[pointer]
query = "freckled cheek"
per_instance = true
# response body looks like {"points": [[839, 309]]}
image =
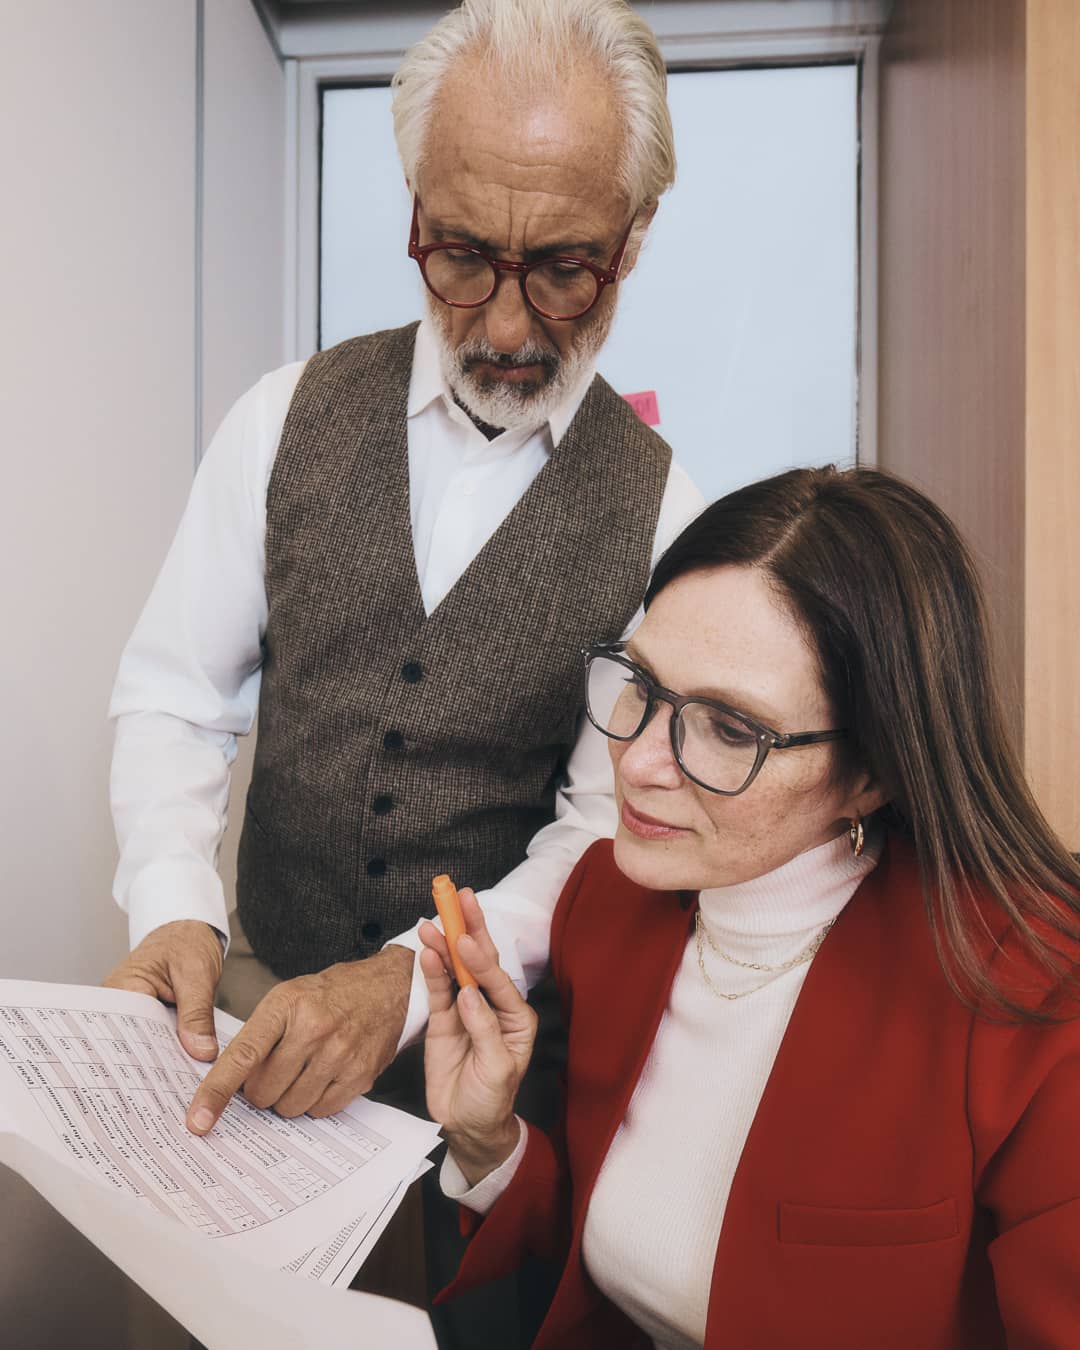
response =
{"points": [[724, 820], [754, 815], [770, 816]]}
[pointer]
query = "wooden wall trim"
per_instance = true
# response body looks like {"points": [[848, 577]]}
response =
{"points": [[1052, 433], [951, 293]]}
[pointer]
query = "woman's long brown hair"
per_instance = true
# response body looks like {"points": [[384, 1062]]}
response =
{"points": [[890, 597]]}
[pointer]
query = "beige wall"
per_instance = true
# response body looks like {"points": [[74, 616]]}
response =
{"points": [[1052, 483], [97, 380], [980, 329]]}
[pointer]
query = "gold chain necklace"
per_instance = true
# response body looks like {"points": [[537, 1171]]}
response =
{"points": [[701, 932]]}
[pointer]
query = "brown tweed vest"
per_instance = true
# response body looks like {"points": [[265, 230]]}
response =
{"points": [[394, 745]]}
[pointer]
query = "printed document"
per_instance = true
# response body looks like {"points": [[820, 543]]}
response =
{"points": [[96, 1078]]}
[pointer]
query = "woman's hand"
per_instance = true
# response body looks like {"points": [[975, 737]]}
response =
{"points": [[476, 1050]]}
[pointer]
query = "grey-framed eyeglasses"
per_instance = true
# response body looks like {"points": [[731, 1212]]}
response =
{"points": [[715, 745]]}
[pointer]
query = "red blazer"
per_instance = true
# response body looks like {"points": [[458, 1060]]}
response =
{"points": [[911, 1180]]}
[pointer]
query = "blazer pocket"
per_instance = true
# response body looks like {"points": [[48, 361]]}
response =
{"points": [[820, 1226]]}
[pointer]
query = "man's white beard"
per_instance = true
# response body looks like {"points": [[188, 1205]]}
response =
{"points": [[514, 406]]}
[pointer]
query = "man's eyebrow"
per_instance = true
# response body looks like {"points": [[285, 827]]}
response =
{"points": [[577, 248], [451, 234]]}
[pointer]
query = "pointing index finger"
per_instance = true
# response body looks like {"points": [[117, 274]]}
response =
{"points": [[241, 1057]]}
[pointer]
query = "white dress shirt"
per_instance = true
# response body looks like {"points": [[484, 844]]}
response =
{"points": [[189, 677]]}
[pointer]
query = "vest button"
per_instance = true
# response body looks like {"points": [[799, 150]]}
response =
{"points": [[371, 931], [412, 672], [381, 805], [393, 740], [376, 867]]}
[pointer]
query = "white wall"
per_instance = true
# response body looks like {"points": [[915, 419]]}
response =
{"points": [[243, 263], [97, 399], [244, 207], [97, 416]]}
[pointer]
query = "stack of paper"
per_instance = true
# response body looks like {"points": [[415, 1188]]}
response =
{"points": [[96, 1079]]}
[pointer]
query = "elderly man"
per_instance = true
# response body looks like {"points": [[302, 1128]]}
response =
{"points": [[395, 552]]}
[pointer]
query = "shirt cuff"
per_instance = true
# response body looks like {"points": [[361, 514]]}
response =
{"points": [[481, 1197], [417, 1014], [166, 891]]}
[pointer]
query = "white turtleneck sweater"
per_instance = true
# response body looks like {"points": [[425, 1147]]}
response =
{"points": [[655, 1215]]}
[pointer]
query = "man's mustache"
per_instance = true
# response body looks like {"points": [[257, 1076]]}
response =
{"points": [[479, 352]]}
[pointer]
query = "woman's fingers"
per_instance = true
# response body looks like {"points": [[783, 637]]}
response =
{"points": [[493, 980], [479, 1043], [485, 1034], [433, 938], [434, 967], [475, 924], [477, 952], [479, 955]]}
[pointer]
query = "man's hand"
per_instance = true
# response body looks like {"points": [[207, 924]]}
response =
{"points": [[178, 963], [313, 1043]]}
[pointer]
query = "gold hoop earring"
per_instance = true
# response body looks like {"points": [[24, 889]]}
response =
{"points": [[857, 835]]}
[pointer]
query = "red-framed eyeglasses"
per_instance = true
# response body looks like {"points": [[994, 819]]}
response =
{"points": [[556, 287]]}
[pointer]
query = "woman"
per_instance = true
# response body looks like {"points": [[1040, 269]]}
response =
{"points": [[823, 1080]]}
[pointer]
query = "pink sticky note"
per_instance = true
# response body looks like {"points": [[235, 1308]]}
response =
{"points": [[646, 407]]}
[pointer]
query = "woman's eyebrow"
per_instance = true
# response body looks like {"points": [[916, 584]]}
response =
{"points": [[736, 702], [635, 655]]}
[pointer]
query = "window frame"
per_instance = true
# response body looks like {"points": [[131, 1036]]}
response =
{"points": [[365, 47]]}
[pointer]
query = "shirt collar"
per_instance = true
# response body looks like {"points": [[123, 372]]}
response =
{"points": [[427, 384]]}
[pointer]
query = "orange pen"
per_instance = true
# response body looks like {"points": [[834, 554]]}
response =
{"points": [[444, 893]]}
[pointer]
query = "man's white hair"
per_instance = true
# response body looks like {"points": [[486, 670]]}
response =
{"points": [[533, 41]]}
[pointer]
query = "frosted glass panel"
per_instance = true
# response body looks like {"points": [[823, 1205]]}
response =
{"points": [[367, 280], [741, 314]]}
